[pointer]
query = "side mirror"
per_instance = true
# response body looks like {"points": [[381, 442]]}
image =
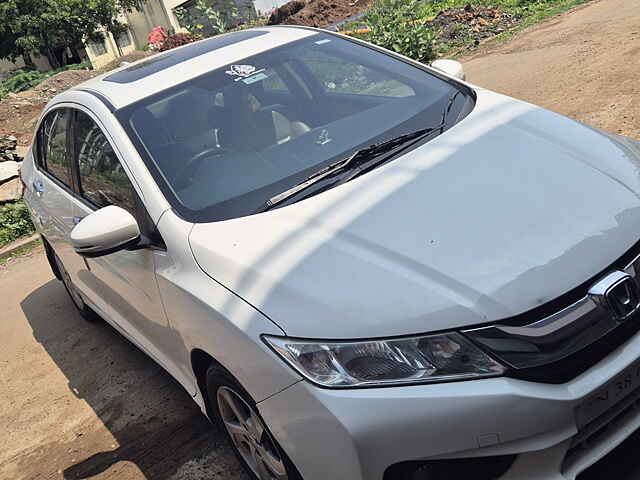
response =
{"points": [[105, 231], [450, 67]]}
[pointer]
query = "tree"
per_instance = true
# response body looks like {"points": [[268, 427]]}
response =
{"points": [[46, 26]]}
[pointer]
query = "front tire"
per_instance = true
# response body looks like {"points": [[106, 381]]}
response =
{"points": [[237, 414]]}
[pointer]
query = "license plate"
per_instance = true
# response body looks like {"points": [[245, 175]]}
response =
{"points": [[609, 395]]}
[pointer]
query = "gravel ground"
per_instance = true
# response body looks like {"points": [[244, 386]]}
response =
{"points": [[79, 401]]}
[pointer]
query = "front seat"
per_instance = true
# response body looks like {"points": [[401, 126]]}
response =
{"points": [[258, 128], [168, 155], [188, 119]]}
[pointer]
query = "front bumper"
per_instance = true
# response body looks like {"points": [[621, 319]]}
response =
{"points": [[357, 434]]}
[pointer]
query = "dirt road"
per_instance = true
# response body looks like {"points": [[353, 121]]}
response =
{"points": [[79, 401], [584, 64]]}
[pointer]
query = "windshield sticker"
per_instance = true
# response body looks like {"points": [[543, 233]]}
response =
{"points": [[255, 78], [324, 137], [242, 71], [246, 73], [320, 42]]}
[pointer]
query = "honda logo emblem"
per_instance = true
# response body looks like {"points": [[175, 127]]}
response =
{"points": [[618, 293]]}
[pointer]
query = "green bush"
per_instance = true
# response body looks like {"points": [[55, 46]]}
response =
{"points": [[24, 80], [395, 25], [15, 222]]}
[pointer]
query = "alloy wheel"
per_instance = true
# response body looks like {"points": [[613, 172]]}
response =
{"points": [[250, 436]]}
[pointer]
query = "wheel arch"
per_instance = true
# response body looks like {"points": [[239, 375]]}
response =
{"points": [[200, 363], [48, 250]]}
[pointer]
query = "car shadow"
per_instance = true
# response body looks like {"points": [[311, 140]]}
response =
{"points": [[153, 422]]}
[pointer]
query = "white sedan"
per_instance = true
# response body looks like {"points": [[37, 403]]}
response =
{"points": [[362, 267]]}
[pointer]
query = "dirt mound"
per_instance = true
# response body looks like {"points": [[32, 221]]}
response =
{"points": [[280, 14], [459, 25], [129, 57], [19, 111], [63, 81], [320, 13]]}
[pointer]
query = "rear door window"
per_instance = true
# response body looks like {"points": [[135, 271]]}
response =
{"points": [[54, 155], [103, 180]]}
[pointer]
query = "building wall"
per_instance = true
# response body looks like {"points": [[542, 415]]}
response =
{"points": [[152, 14], [169, 6], [99, 57], [264, 5]]}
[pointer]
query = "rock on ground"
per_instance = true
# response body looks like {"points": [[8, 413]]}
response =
{"points": [[9, 170], [8, 145], [11, 191]]}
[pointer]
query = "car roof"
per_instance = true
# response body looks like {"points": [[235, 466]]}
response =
{"points": [[148, 76]]}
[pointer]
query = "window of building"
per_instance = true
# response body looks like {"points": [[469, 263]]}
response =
{"points": [[124, 40], [98, 48]]}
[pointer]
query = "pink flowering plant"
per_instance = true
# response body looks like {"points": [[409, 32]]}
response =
{"points": [[156, 38]]}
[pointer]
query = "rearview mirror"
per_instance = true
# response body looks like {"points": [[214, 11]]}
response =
{"points": [[450, 67], [105, 231]]}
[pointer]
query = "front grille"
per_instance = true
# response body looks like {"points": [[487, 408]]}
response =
{"points": [[560, 340], [570, 367]]}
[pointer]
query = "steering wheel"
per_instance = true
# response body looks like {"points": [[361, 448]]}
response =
{"points": [[194, 162]]}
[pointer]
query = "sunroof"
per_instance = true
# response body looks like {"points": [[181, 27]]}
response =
{"points": [[171, 58]]}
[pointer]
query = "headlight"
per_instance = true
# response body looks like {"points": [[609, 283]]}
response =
{"points": [[424, 359]]}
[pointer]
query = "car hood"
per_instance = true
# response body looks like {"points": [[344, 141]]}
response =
{"points": [[507, 210]]}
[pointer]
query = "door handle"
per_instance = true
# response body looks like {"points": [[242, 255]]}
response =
{"points": [[38, 186]]}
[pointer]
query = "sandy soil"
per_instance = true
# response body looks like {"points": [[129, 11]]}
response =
{"points": [[79, 401]]}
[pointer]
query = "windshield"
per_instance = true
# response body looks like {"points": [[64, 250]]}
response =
{"points": [[222, 144]]}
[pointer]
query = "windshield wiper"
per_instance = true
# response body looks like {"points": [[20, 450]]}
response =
{"points": [[358, 162], [351, 162], [447, 109]]}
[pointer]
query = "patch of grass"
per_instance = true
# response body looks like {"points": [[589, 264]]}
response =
{"points": [[552, 8], [534, 10], [15, 222], [535, 14], [29, 247], [525, 13]]}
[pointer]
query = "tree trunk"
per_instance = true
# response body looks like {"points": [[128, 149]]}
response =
{"points": [[53, 60], [28, 61], [65, 57]]}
